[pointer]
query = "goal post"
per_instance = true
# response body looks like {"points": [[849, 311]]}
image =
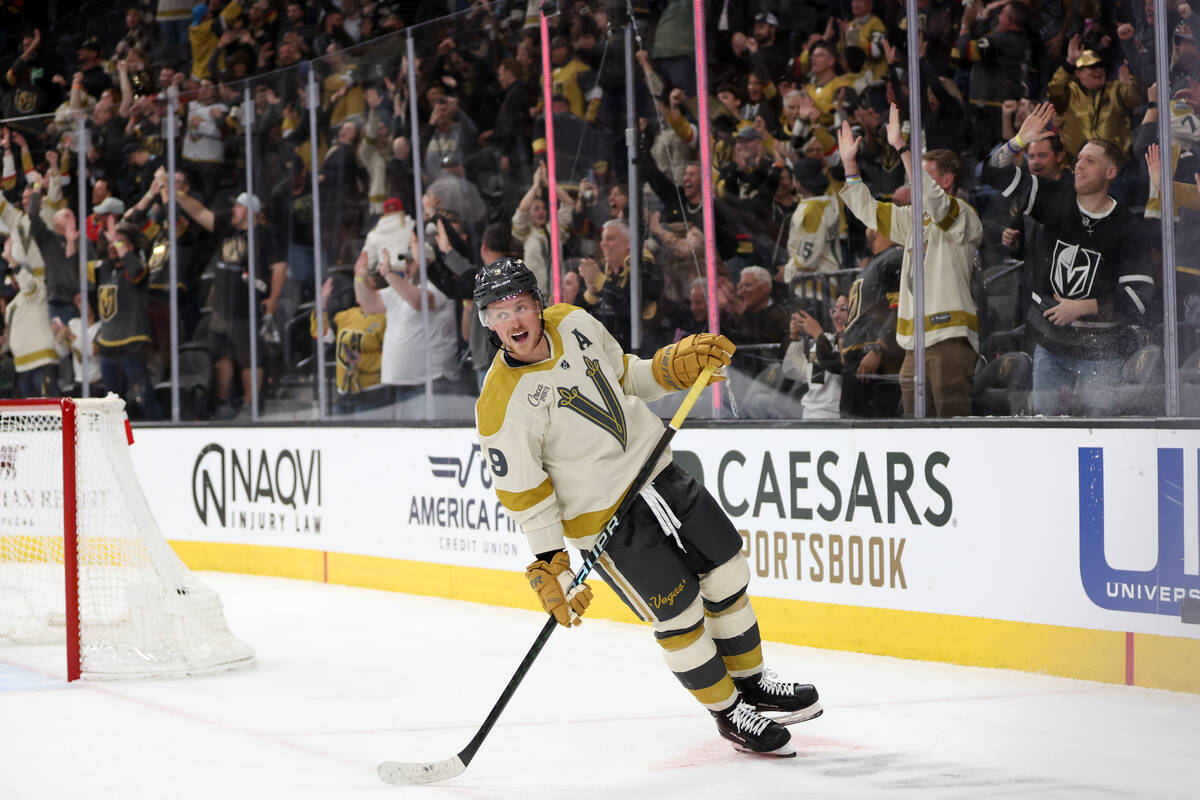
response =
{"points": [[82, 559]]}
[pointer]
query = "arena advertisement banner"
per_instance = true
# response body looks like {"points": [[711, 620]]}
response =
{"points": [[1091, 528]]}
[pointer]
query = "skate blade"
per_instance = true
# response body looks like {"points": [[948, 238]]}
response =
{"points": [[786, 751], [792, 717]]}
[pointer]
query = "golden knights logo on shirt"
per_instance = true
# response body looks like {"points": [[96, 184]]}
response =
{"points": [[233, 250], [107, 297], [1073, 269], [609, 416]]}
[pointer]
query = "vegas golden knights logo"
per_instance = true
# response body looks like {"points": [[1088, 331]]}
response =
{"points": [[108, 302], [233, 250], [609, 416], [25, 101], [349, 350]]}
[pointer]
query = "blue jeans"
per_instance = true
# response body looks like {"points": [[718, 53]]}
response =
{"points": [[301, 262], [64, 311], [1063, 385], [36, 382], [175, 31], [127, 375]]}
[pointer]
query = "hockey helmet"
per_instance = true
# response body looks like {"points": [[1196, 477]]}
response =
{"points": [[502, 279]]}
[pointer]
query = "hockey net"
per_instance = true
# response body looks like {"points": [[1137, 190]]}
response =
{"points": [[82, 558]]}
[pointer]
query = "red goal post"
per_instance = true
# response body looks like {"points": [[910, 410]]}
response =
{"points": [[82, 558]]}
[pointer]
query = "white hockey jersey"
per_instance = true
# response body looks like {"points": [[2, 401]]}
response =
{"points": [[566, 436], [813, 237]]}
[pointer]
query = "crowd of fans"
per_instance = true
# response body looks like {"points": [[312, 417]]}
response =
{"points": [[1042, 273]]}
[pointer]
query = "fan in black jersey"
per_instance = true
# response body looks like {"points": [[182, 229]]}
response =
{"points": [[1093, 285]]}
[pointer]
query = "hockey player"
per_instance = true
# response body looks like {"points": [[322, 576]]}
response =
{"points": [[563, 422]]}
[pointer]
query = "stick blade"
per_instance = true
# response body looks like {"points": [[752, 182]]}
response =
{"points": [[404, 774]]}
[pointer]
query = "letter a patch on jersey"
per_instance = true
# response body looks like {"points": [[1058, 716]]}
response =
{"points": [[609, 416], [1073, 270], [583, 341]]}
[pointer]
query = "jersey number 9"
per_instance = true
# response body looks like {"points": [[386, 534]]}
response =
{"points": [[498, 462]]}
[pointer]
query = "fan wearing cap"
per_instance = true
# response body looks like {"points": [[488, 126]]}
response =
{"points": [[1090, 106], [89, 62], [123, 300], [741, 179], [762, 51], [229, 327]]}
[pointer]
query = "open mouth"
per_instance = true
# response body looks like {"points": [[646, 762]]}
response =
{"points": [[520, 338]]}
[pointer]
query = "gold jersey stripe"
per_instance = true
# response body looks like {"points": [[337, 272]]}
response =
{"points": [[520, 501], [36, 355], [139, 338], [904, 327], [589, 524], [947, 222]]}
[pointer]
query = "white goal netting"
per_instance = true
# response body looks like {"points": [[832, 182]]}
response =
{"points": [[141, 611]]}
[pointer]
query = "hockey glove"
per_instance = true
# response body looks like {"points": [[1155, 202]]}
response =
{"points": [[677, 366], [552, 582]]}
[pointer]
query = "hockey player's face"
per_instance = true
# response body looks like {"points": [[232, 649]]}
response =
{"points": [[517, 322]]}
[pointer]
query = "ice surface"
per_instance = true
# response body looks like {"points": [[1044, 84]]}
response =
{"points": [[347, 678]]}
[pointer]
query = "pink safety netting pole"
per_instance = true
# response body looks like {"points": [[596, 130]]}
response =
{"points": [[551, 160], [710, 225]]}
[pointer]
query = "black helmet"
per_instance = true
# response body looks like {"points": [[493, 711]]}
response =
{"points": [[503, 278]]}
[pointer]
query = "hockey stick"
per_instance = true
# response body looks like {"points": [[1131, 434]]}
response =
{"points": [[401, 772]]}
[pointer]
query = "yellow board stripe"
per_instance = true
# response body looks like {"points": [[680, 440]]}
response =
{"points": [[1160, 662]]}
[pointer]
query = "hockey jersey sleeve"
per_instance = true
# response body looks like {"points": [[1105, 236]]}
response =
{"points": [[892, 222], [1030, 194], [513, 449]]}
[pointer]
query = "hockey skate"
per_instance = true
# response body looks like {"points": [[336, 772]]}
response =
{"points": [[796, 701], [751, 732]]}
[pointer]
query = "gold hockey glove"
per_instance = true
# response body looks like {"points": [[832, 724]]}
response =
{"points": [[552, 582], [677, 366]]}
